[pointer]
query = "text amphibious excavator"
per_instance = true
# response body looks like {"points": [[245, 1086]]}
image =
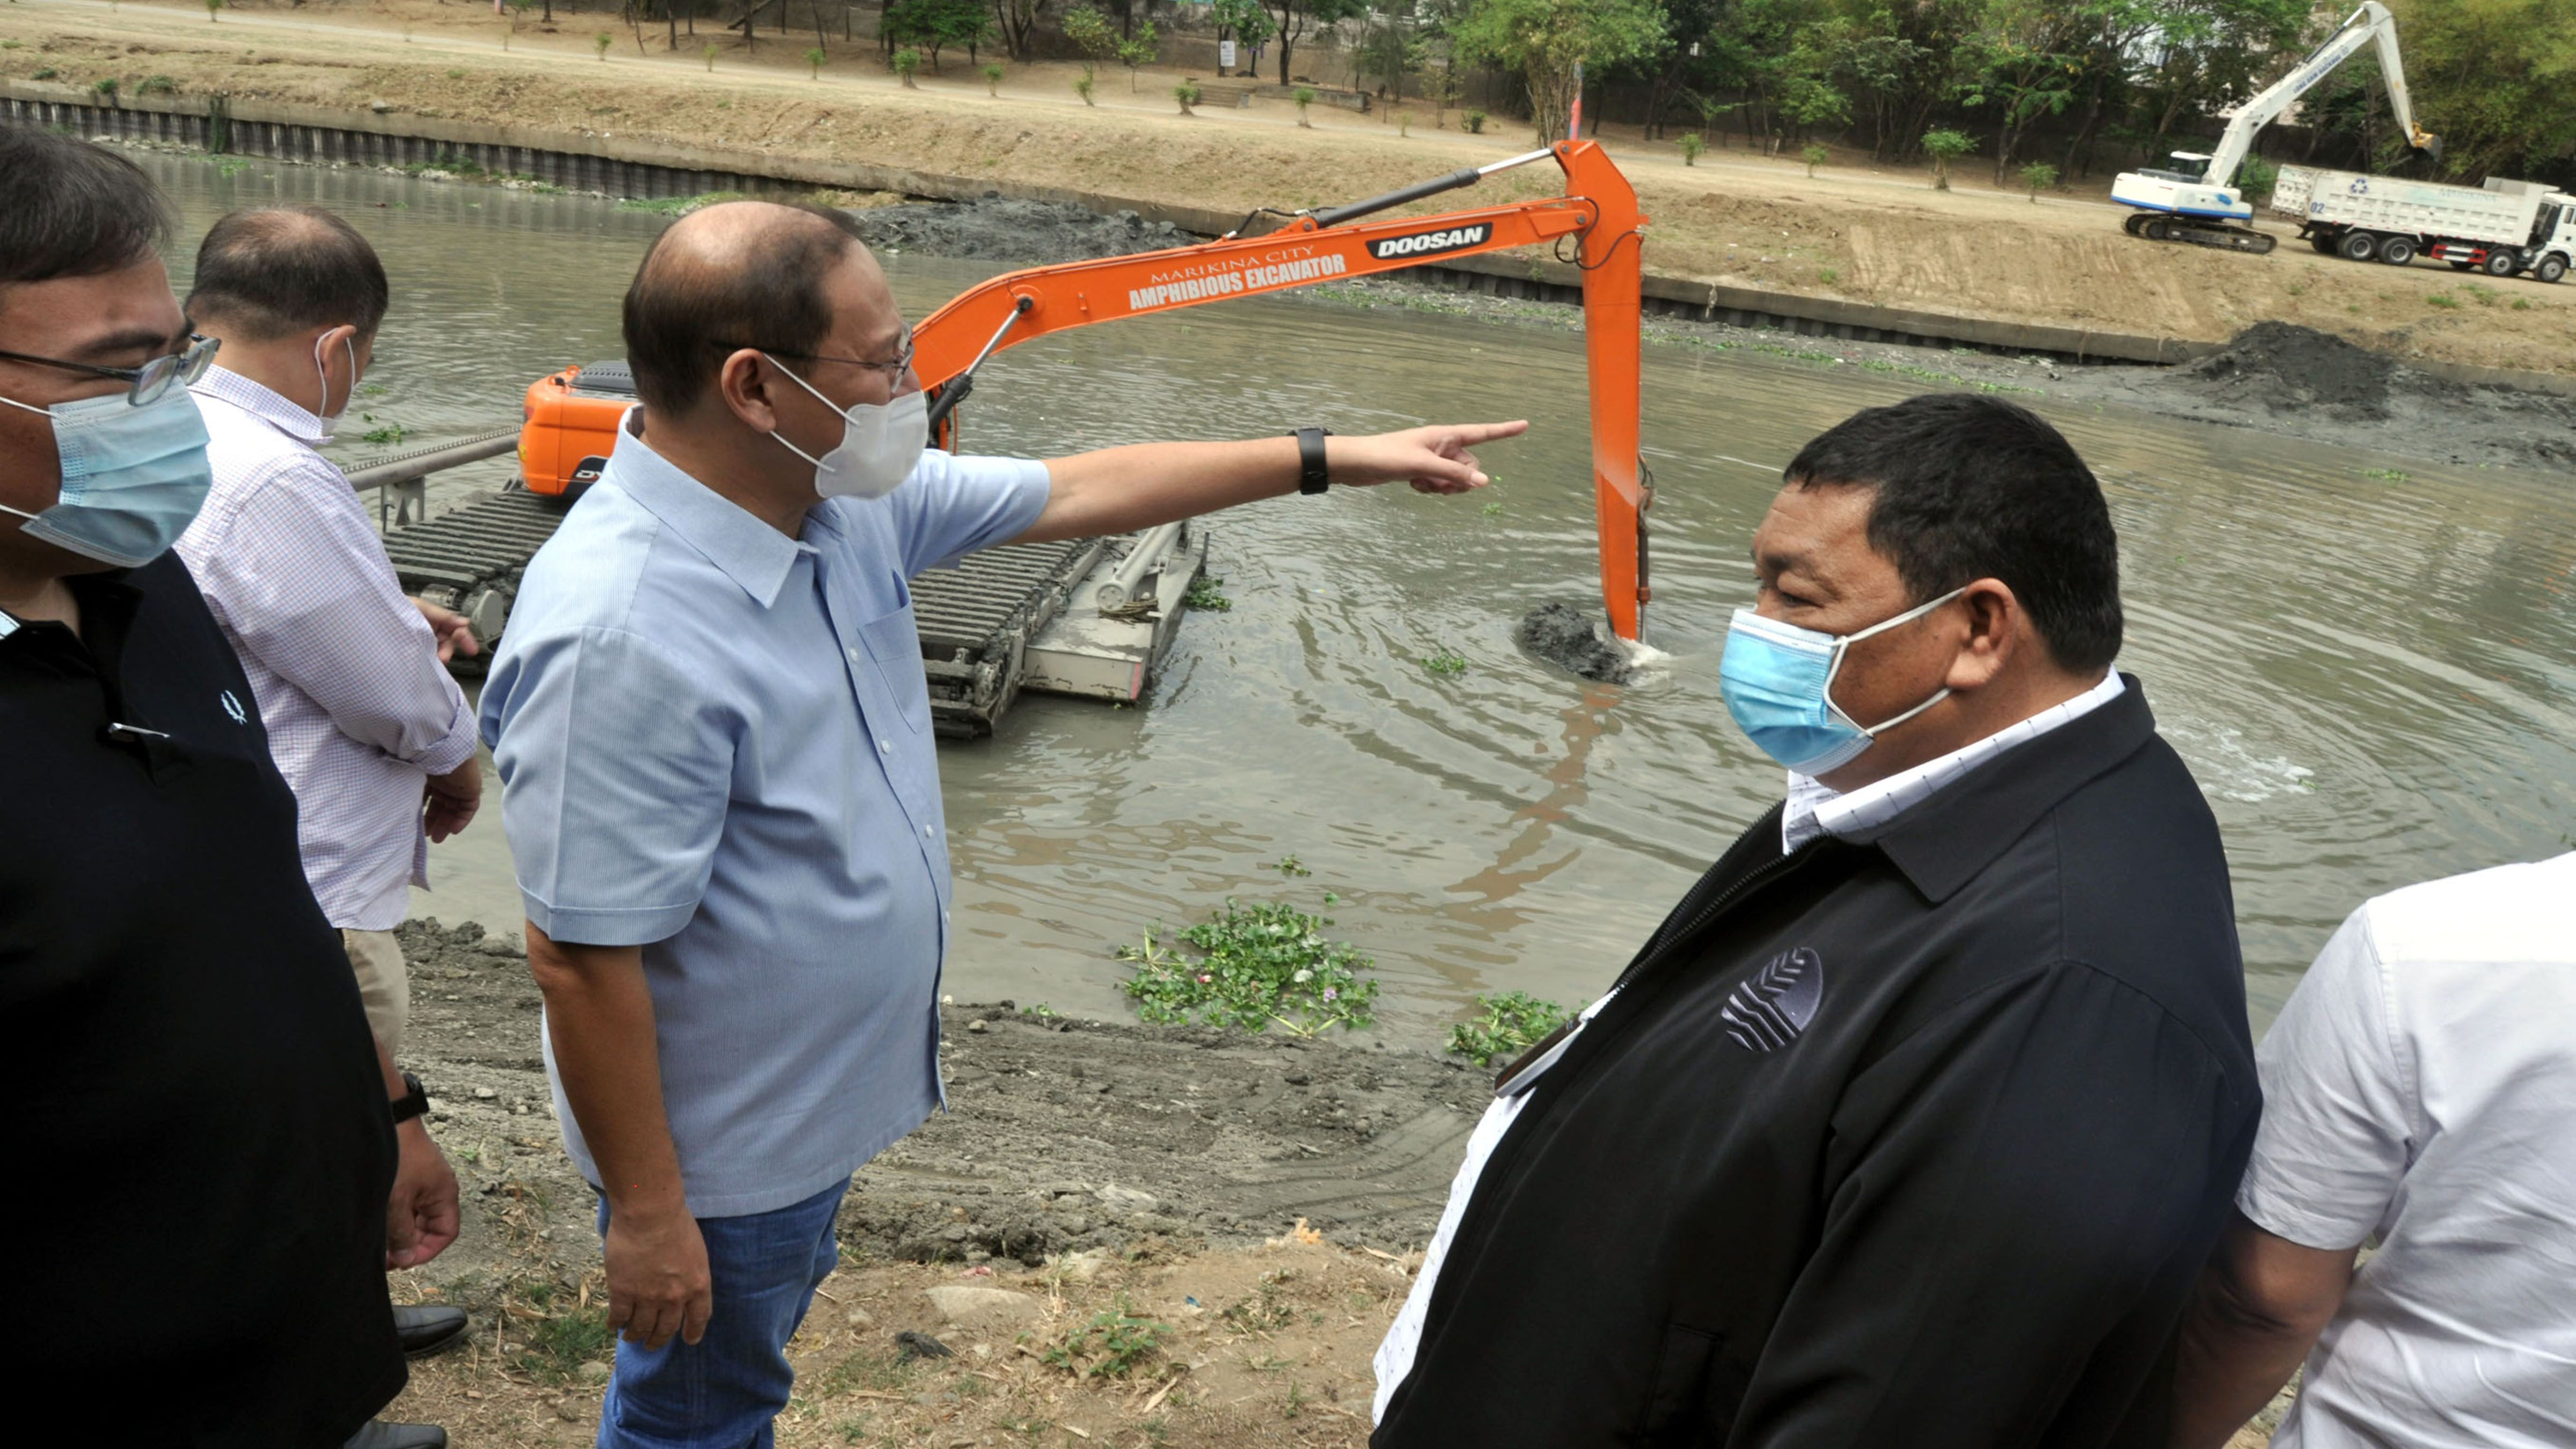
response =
{"points": [[2199, 202], [572, 416]]}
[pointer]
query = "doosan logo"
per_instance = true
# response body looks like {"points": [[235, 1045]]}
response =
{"points": [[1430, 243]]}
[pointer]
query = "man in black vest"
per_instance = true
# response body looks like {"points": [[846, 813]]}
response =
{"points": [[1914, 1121], [207, 1181]]}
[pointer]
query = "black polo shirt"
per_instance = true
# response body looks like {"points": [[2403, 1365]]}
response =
{"points": [[195, 1129], [1915, 1138]]}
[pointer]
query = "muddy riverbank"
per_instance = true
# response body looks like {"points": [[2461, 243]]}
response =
{"points": [[1255, 1203], [1062, 1134]]}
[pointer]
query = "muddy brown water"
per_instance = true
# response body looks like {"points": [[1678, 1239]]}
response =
{"points": [[2365, 659]]}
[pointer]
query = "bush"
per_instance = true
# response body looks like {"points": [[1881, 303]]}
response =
{"points": [[158, 85], [906, 61], [1815, 156], [601, 42], [2038, 176], [1513, 1022], [814, 58], [44, 72], [1692, 147], [993, 79], [1083, 84], [1188, 95], [1304, 96], [1942, 146], [1259, 965], [710, 53], [1474, 122], [105, 87], [2256, 178]]}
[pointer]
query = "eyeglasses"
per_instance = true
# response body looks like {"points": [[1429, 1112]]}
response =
{"points": [[146, 383], [893, 370]]}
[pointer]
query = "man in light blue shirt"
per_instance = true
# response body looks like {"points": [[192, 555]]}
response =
{"points": [[713, 733]]}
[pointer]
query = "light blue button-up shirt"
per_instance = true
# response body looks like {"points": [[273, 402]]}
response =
{"points": [[715, 743]]}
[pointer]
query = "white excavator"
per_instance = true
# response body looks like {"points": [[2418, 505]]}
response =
{"points": [[2198, 201]]}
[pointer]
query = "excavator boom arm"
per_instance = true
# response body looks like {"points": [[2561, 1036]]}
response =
{"points": [[1598, 210], [2370, 23]]}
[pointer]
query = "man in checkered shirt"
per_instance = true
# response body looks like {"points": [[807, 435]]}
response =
{"points": [[364, 722], [374, 737]]}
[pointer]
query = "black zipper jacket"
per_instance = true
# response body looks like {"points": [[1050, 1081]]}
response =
{"points": [[1914, 1138]]}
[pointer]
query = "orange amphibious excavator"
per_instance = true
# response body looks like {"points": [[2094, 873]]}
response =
{"points": [[572, 415]]}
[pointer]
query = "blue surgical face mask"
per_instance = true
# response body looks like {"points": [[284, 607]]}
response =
{"points": [[1779, 685], [133, 476]]}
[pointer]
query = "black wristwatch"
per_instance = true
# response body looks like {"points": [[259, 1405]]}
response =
{"points": [[1310, 459], [414, 1103]]}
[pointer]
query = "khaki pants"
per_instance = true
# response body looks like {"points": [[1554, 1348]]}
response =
{"points": [[384, 984]]}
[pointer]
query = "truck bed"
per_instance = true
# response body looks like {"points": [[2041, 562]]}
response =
{"points": [[2501, 216]]}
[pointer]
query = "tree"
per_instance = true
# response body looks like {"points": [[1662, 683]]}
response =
{"points": [[906, 61], [1941, 145], [2023, 69], [1244, 22], [933, 25], [1091, 33], [1019, 24], [1297, 17], [1139, 51], [1546, 39]]}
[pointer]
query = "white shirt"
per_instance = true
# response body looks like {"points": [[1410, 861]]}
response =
{"points": [[2420, 1089], [358, 708], [1812, 809]]}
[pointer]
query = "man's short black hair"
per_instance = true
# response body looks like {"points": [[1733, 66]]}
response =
{"points": [[1970, 487], [682, 314], [71, 209], [273, 271]]}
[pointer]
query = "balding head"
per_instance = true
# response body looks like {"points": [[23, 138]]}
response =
{"points": [[280, 271], [744, 274]]}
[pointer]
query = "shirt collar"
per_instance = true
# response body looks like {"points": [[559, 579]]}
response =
{"points": [[297, 422], [751, 553], [1943, 843], [1815, 808]]}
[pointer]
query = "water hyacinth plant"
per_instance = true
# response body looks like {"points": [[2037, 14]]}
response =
{"points": [[1255, 966]]}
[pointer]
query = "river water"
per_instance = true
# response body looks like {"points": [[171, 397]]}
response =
{"points": [[2366, 662]]}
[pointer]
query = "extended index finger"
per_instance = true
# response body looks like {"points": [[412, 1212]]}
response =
{"points": [[1470, 434]]}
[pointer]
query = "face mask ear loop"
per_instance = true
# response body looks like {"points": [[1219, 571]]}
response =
{"points": [[780, 439], [27, 407], [1843, 645]]}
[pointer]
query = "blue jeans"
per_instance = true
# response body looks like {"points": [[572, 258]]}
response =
{"points": [[723, 1391]]}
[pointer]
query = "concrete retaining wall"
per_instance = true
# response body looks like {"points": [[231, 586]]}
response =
{"points": [[623, 167]]}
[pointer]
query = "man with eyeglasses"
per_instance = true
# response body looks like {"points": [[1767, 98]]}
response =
{"points": [[199, 1217], [714, 737]]}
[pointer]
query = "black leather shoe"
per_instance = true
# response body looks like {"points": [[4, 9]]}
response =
{"points": [[426, 1328], [380, 1435]]}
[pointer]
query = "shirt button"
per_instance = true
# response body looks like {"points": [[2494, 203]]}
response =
{"points": [[884, 748]]}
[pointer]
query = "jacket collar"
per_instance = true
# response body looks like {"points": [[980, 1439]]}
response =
{"points": [[1943, 843], [751, 553]]}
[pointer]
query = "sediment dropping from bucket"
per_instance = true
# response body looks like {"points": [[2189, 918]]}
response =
{"points": [[1571, 639]]}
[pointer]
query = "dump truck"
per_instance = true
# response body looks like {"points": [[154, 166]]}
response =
{"points": [[2502, 228]]}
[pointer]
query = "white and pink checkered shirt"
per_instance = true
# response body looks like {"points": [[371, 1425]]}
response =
{"points": [[359, 710]]}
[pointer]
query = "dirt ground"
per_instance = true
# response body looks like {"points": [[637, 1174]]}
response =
{"points": [[1876, 234], [1122, 1235], [1088, 1167]]}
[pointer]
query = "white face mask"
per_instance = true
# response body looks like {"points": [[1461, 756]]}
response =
{"points": [[327, 423], [881, 444]]}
